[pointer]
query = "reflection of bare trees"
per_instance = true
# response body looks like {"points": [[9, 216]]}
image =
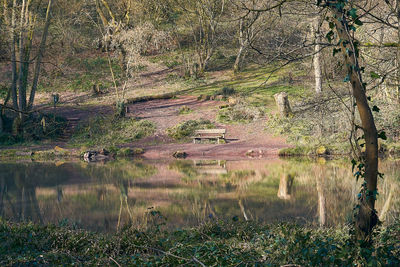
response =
{"points": [[243, 209], [386, 206], [27, 205], [124, 191], [319, 176], [23, 202], [285, 186]]}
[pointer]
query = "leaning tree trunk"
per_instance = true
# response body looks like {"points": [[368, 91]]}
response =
{"points": [[238, 61], [39, 56], [367, 217], [317, 56], [23, 69]]}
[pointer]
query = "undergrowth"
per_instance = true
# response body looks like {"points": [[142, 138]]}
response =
{"points": [[35, 128], [241, 112], [185, 130], [216, 243], [112, 131]]}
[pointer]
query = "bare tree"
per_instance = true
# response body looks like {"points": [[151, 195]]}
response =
{"points": [[204, 18], [316, 26], [22, 34]]}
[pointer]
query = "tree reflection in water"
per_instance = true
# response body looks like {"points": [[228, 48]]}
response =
{"points": [[105, 196]]}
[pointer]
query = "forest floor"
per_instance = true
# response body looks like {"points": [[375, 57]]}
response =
{"points": [[251, 139], [243, 140]]}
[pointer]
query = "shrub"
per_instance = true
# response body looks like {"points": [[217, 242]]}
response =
{"points": [[241, 112], [112, 131], [35, 128], [226, 91], [186, 129], [185, 110]]}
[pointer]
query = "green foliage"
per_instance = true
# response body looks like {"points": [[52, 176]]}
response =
{"points": [[186, 167], [241, 112], [295, 151], [186, 129], [129, 152], [35, 128], [226, 91], [214, 243], [3, 91], [316, 121], [84, 72], [112, 131], [185, 110]]}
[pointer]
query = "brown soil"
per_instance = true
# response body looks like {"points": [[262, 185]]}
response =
{"points": [[250, 140], [243, 140]]}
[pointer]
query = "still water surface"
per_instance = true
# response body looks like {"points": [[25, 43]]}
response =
{"points": [[106, 196]]}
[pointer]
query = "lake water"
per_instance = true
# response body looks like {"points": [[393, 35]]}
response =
{"points": [[107, 196]]}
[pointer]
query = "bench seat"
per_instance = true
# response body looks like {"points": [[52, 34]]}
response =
{"points": [[210, 134]]}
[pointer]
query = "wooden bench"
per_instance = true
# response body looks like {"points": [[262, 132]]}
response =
{"points": [[210, 134]]}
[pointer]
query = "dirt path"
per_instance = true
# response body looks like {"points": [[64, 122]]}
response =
{"points": [[250, 140], [241, 138]]}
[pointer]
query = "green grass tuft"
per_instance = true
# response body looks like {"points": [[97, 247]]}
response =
{"points": [[111, 131]]}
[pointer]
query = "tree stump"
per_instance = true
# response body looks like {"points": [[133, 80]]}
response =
{"points": [[282, 101]]}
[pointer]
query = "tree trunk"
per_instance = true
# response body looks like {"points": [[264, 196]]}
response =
{"points": [[238, 61], [1, 121], [367, 216], [317, 55], [14, 75], [39, 56], [282, 102], [236, 66], [398, 50], [23, 72]]}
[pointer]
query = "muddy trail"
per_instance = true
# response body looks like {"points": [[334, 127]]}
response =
{"points": [[243, 140]]}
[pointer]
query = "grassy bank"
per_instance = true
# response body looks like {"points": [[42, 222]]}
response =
{"points": [[216, 243]]}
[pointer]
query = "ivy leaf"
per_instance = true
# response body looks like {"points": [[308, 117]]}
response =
{"points": [[382, 135], [358, 22], [376, 109], [369, 98], [374, 75], [347, 78], [331, 25], [354, 163], [330, 35], [336, 50], [353, 13]]}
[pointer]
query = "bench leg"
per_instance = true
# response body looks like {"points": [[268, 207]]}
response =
{"points": [[218, 140]]}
